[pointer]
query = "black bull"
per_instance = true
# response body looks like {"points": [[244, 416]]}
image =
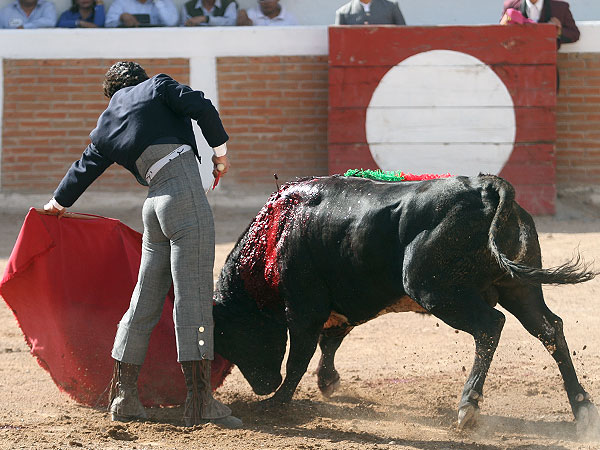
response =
{"points": [[326, 254]]}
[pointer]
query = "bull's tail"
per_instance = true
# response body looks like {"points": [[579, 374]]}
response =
{"points": [[571, 272]]}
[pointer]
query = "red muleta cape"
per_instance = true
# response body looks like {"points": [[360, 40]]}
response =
{"points": [[68, 282]]}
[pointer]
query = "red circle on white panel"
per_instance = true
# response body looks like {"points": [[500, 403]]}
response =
{"points": [[441, 111]]}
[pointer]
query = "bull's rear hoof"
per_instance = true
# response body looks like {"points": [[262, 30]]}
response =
{"points": [[327, 389], [588, 422], [468, 415]]}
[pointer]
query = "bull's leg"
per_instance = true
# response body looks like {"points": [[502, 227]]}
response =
{"points": [[468, 311], [328, 379], [303, 343], [528, 306]]}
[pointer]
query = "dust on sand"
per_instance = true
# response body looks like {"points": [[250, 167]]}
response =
{"points": [[401, 376]]}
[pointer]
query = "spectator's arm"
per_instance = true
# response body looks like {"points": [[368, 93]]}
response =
{"points": [[167, 12], [113, 16], [570, 32], [228, 18], [507, 4], [66, 20], [184, 15], [47, 19], [196, 21], [81, 174], [398, 17], [243, 19], [99, 16], [186, 102], [339, 18]]}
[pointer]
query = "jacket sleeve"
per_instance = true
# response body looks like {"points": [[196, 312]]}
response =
{"points": [[509, 4], [67, 20], [398, 17], [99, 16], [80, 175], [184, 15], [113, 16], [186, 102], [570, 32], [167, 11]]}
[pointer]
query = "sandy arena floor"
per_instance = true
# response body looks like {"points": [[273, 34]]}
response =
{"points": [[401, 375]]}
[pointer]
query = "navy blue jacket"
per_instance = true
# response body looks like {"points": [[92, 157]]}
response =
{"points": [[156, 110]]}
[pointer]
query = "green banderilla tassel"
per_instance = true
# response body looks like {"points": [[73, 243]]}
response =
{"points": [[375, 174]]}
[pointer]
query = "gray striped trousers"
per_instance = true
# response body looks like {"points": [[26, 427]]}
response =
{"points": [[178, 247]]}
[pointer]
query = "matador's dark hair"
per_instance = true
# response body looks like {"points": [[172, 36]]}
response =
{"points": [[123, 74]]}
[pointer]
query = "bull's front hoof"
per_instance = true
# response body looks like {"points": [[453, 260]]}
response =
{"points": [[328, 387], [273, 402], [587, 422], [468, 415]]}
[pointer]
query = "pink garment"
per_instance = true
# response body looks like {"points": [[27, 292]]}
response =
{"points": [[515, 16]]}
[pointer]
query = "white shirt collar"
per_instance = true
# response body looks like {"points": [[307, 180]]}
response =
{"points": [[534, 11], [216, 5], [18, 5], [366, 6]]}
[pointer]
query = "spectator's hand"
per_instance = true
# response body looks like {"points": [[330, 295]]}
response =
{"points": [[129, 20], [556, 22], [195, 21], [505, 20], [220, 160], [242, 18], [86, 24]]}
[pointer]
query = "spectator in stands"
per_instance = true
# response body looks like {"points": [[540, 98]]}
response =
{"points": [[546, 11], [217, 13], [83, 14], [268, 13], [28, 14], [142, 13], [369, 12]]}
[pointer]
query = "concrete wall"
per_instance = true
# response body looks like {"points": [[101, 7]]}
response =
{"points": [[416, 12]]}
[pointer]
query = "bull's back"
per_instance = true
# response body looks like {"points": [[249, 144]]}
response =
{"points": [[350, 237], [344, 240]]}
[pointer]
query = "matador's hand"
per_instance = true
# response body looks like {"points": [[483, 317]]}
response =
{"points": [[52, 207]]}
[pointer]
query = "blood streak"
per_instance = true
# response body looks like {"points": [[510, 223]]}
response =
{"points": [[259, 257]]}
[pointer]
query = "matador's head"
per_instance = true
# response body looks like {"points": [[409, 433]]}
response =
{"points": [[123, 74]]}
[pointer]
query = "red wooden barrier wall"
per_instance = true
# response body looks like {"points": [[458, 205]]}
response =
{"points": [[522, 57]]}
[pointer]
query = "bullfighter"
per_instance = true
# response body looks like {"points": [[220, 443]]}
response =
{"points": [[147, 129]]}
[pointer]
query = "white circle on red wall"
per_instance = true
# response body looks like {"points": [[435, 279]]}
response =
{"points": [[441, 111]]}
